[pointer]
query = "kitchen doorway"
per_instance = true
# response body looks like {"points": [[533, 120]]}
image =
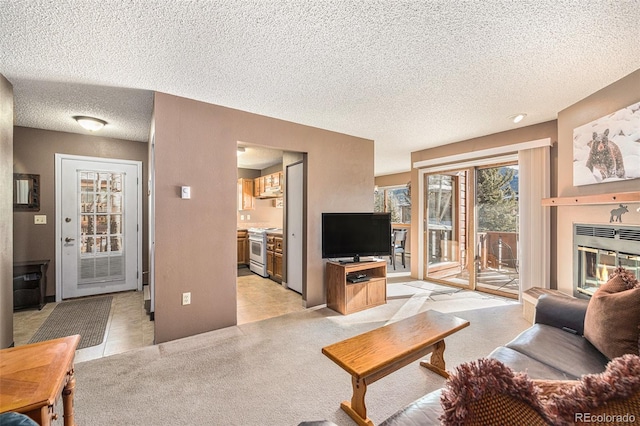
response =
{"points": [[264, 214]]}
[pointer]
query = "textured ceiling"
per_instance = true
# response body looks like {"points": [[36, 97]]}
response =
{"points": [[407, 74], [259, 158]]}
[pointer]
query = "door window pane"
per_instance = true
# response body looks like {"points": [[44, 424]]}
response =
{"points": [[446, 232], [101, 226], [497, 229]]}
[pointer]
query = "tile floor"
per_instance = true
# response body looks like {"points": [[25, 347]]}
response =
{"points": [[260, 298], [129, 326]]}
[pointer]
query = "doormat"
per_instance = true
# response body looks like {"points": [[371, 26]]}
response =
{"points": [[86, 317]]}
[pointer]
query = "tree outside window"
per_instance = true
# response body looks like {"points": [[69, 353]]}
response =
{"points": [[395, 200], [497, 189]]}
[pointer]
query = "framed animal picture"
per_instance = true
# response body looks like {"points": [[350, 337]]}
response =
{"points": [[608, 149]]}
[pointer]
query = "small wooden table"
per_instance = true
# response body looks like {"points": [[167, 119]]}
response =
{"points": [[33, 376], [371, 356], [29, 283]]}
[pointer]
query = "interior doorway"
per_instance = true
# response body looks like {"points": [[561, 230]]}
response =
{"points": [[270, 224]]}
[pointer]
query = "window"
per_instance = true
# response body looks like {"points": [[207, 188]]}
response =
{"points": [[396, 200]]}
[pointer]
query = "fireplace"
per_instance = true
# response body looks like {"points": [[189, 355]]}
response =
{"points": [[598, 250]]}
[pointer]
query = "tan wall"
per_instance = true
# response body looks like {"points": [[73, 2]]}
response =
{"points": [[34, 152], [524, 134], [6, 213], [618, 95], [393, 180], [196, 145]]}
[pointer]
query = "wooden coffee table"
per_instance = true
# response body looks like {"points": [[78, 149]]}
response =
{"points": [[32, 377], [373, 355]]}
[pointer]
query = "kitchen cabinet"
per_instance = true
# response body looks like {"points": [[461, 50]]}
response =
{"points": [[268, 186], [258, 186], [270, 263], [277, 259], [243, 247], [274, 256], [245, 194]]}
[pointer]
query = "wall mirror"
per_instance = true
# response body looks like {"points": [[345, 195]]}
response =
{"points": [[26, 192]]}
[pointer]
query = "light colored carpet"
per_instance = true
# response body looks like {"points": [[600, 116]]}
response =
{"points": [[272, 372], [433, 287], [86, 317]]}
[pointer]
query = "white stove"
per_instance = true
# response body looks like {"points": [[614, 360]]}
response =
{"points": [[258, 250]]}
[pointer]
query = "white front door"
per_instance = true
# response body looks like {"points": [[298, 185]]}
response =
{"points": [[98, 206]]}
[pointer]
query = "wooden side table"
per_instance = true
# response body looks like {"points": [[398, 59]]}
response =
{"points": [[33, 376]]}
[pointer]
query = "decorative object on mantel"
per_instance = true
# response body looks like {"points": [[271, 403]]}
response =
{"points": [[613, 198], [608, 149], [616, 214]]}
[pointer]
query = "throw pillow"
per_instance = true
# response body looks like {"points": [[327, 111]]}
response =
{"points": [[612, 320], [486, 392]]}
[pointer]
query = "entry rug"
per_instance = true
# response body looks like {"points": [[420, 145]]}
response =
{"points": [[86, 317]]}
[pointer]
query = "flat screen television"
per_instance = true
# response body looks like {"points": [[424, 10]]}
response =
{"points": [[354, 235]]}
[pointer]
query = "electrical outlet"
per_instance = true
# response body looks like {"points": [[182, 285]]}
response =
{"points": [[40, 219], [248, 217], [241, 217], [186, 298]]}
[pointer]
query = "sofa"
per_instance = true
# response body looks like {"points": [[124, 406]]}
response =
{"points": [[552, 349]]}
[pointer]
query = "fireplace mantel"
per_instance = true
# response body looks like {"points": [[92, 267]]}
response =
{"points": [[612, 198]]}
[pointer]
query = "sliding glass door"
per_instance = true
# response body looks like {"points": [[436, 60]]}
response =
{"points": [[497, 232], [471, 228], [447, 223]]}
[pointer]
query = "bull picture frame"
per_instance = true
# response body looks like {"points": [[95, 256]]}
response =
{"points": [[608, 149]]}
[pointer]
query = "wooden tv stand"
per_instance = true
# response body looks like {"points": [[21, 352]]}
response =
{"points": [[347, 297]]}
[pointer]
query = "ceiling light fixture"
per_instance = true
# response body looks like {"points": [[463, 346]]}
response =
{"points": [[241, 150], [90, 123], [517, 118]]}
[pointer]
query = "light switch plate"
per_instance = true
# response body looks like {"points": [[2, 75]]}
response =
{"points": [[186, 192], [40, 219]]}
